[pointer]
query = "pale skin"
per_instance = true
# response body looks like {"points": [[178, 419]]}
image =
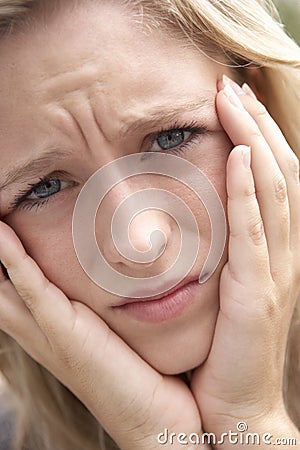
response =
{"points": [[237, 333]]}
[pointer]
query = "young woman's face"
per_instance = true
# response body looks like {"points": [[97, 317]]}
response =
{"points": [[90, 87]]}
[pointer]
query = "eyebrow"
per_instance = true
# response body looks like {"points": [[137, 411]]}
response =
{"points": [[31, 169], [34, 168], [168, 114]]}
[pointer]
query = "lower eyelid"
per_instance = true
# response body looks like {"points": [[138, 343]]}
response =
{"points": [[193, 140], [36, 203]]}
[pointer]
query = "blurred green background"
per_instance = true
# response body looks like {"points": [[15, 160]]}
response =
{"points": [[290, 14]]}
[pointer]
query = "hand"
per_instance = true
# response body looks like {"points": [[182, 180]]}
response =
{"points": [[132, 401], [242, 376]]}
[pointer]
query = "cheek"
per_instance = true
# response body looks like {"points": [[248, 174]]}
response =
{"points": [[211, 159], [217, 176], [213, 164]]}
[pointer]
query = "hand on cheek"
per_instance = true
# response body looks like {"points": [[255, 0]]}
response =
{"points": [[242, 377], [132, 401]]}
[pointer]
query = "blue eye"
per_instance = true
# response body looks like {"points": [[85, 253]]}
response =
{"points": [[172, 138], [178, 138], [39, 193], [45, 189]]}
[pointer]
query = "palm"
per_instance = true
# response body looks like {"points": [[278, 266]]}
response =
{"points": [[236, 359], [122, 391]]}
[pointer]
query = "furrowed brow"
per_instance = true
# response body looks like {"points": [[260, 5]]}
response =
{"points": [[153, 118], [33, 168], [167, 114]]}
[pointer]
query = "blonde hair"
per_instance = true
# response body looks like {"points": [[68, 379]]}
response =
{"points": [[247, 35]]}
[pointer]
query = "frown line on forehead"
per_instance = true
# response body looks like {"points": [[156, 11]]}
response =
{"points": [[157, 116], [166, 114]]}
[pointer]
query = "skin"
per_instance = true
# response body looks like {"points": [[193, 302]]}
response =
{"points": [[61, 92], [53, 309]]}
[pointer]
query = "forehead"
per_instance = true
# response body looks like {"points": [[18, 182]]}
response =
{"points": [[96, 54], [94, 39]]}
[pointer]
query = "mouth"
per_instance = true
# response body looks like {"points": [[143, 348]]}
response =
{"points": [[162, 307], [145, 296]]}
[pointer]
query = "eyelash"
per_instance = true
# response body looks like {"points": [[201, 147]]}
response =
{"points": [[191, 127], [29, 205]]}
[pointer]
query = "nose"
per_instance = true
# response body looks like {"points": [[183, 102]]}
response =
{"points": [[142, 241], [132, 236]]}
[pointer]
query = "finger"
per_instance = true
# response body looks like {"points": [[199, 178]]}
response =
{"points": [[73, 335], [285, 157], [17, 321], [91, 360], [270, 185], [12, 308], [247, 248], [47, 304]]}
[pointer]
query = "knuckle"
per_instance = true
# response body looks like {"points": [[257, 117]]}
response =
{"points": [[268, 307], [27, 296], [260, 115], [249, 191], [66, 356], [270, 310], [71, 363], [284, 223], [256, 232], [280, 275], [255, 133], [261, 111], [280, 188]]}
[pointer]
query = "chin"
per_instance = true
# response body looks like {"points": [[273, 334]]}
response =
{"points": [[180, 359], [177, 345], [175, 367]]}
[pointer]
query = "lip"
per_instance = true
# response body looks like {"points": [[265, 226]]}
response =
{"points": [[161, 307], [144, 296]]}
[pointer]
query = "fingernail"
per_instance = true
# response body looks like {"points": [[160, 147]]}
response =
{"points": [[237, 89], [232, 97], [247, 89], [247, 157]]}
